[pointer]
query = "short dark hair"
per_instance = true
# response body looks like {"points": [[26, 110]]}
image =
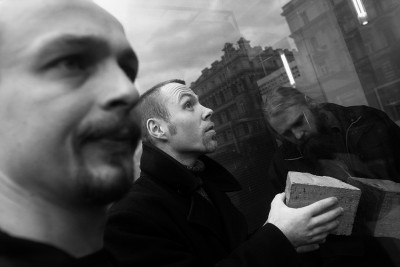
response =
{"points": [[282, 98], [151, 106]]}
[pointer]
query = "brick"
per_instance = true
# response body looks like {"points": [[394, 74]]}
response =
{"points": [[303, 189], [379, 209]]}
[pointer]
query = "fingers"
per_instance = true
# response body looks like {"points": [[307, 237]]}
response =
{"points": [[326, 217], [319, 234], [307, 248], [318, 239], [319, 206]]}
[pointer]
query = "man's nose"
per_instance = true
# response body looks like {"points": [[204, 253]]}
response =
{"points": [[207, 113], [298, 134], [119, 90]]}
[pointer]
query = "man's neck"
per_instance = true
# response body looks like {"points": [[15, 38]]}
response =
{"points": [[75, 230]]}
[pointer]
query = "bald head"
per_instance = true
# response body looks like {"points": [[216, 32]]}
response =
{"points": [[32, 11], [60, 58], [9, 9], [34, 17]]}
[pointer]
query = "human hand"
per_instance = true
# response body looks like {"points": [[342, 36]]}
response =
{"points": [[307, 225]]}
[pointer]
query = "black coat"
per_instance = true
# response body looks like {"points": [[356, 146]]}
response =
{"points": [[163, 222], [367, 144], [371, 146], [21, 252]]}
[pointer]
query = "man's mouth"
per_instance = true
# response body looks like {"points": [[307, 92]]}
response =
{"points": [[123, 133], [210, 128]]}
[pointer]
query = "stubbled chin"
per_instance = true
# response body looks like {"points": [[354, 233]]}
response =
{"points": [[105, 175], [110, 166], [106, 184], [211, 146]]}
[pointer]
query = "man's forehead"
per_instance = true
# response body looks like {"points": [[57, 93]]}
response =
{"points": [[286, 118], [42, 20], [176, 91], [46, 15], [10, 8]]}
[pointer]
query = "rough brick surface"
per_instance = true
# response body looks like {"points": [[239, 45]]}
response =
{"points": [[379, 209], [303, 189]]}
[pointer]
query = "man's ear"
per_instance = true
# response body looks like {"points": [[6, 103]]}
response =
{"points": [[156, 129]]}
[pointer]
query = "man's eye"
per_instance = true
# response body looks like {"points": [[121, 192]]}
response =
{"points": [[188, 104], [73, 63]]}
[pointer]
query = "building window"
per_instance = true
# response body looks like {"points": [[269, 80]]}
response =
{"points": [[246, 128], [234, 112], [304, 17], [228, 116], [229, 135], [225, 137], [222, 97], [217, 119], [223, 117], [213, 103], [242, 108], [234, 90], [239, 130], [228, 94], [218, 99]]}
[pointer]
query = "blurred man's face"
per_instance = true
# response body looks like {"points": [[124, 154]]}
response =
{"points": [[66, 89], [190, 129], [296, 124]]}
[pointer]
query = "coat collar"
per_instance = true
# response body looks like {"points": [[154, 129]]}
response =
{"points": [[217, 217], [167, 170]]}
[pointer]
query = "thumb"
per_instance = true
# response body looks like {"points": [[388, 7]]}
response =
{"points": [[279, 199]]}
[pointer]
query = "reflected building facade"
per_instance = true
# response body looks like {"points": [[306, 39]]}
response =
{"points": [[278, 77], [344, 61], [375, 50], [245, 144], [325, 64]]}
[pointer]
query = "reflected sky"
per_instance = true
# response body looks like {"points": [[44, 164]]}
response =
{"points": [[179, 38]]}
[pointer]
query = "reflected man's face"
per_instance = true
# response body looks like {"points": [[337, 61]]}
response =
{"points": [[66, 89], [296, 124], [190, 129]]}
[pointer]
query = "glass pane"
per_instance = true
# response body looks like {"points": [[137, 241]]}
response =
{"points": [[232, 53]]}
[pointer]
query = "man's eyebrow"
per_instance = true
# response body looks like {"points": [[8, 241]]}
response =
{"points": [[70, 41], [189, 94]]}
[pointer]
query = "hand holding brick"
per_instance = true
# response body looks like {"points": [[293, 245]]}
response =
{"points": [[303, 189], [305, 226]]}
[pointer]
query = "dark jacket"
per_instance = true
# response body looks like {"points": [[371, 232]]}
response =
{"points": [[371, 146], [366, 144], [20, 252], [164, 222]]}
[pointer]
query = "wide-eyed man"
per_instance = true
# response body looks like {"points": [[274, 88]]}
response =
{"points": [[66, 91], [331, 140], [177, 212]]}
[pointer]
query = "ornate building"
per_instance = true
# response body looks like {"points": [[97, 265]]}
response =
{"points": [[246, 145]]}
